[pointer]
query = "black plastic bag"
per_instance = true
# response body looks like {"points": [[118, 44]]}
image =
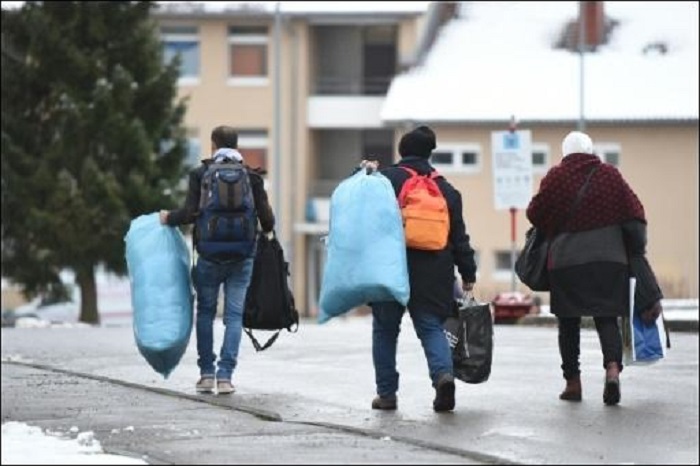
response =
{"points": [[470, 334]]}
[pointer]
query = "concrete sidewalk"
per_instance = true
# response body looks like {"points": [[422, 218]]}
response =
{"points": [[682, 323], [681, 315], [168, 427], [307, 399]]}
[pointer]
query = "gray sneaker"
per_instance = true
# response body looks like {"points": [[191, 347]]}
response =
{"points": [[224, 387], [205, 385], [389, 403]]}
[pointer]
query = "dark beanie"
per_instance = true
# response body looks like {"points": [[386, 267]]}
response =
{"points": [[419, 142]]}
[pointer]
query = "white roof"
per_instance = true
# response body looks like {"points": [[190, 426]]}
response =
{"points": [[308, 7], [498, 59]]}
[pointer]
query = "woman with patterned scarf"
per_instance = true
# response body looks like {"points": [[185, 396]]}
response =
{"points": [[594, 240]]}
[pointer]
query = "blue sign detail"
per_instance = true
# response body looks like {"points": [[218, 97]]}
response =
{"points": [[511, 141]]}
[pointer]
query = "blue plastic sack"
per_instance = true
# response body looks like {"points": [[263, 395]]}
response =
{"points": [[641, 343], [648, 345], [161, 291], [366, 248]]}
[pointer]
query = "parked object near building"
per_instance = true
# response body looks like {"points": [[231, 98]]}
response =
{"points": [[512, 305]]}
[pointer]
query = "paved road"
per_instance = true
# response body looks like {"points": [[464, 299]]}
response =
{"points": [[306, 400]]}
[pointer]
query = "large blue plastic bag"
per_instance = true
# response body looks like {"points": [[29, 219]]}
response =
{"points": [[161, 291], [366, 248]]}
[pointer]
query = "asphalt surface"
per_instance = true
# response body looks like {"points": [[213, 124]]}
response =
{"points": [[307, 400]]}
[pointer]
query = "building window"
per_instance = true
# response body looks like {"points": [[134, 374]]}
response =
{"points": [[247, 51], [540, 157], [502, 261], [442, 158], [457, 158], [182, 41], [378, 144], [252, 144], [608, 153], [613, 158]]}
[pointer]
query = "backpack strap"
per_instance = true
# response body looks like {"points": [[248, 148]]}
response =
{"points": [[410, 171], [256, 343], [433, 174]]}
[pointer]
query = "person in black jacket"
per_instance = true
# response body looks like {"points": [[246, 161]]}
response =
{"points": [[208, 275], [431, 277]]}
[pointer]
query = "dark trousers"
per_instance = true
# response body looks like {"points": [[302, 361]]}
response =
{"points": [[570, 340]]}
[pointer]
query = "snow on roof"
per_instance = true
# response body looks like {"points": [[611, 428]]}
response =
{"points": [[498, 59], [309, 7]]}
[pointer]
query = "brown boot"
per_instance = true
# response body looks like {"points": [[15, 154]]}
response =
{"points": [[572, 392]]}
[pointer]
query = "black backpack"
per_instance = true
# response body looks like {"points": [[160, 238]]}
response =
{"points": [[269, 303]]}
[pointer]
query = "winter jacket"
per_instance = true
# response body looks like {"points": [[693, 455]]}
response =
{"points": [[431, 273], [588, 258]]}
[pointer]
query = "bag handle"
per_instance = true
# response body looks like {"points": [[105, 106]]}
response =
{"points": [[666, 330], [468, 298]]}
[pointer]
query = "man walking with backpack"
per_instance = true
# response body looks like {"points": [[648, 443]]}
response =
{"points": [[225, 200], [437, 240]]}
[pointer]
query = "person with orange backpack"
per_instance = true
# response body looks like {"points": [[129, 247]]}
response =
{"points": [[436, 241]]}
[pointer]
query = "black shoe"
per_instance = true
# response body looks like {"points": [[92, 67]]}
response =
{"points": [[388, 404], [611, 393], [444, 394]]}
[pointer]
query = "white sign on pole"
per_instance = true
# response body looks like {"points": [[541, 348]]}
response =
{"points": [[512, 168]]}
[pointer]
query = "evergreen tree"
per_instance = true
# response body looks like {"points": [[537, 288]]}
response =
{"points": [[92, 137]]}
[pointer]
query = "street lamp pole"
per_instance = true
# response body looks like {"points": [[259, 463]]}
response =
{"points": [[277, 172], [581, 52], [512, 127]]}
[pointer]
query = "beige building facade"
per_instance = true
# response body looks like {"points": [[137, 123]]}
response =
{"points": [[305, 90]]}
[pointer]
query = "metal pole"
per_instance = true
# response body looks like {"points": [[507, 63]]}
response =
{"points": [[581, 52], [277, 172], [513, 212]]}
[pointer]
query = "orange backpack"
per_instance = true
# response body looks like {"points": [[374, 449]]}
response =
{"points": [[426, 219]]}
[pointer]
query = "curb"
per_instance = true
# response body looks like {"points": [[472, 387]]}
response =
{"points": [[267, 415], [587, 322]]}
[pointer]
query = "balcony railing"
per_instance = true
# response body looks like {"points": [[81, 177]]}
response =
{"points": [[339, 85]]}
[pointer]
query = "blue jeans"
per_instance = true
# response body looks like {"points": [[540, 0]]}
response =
{"points": [[386, 325], [208, 277]]}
